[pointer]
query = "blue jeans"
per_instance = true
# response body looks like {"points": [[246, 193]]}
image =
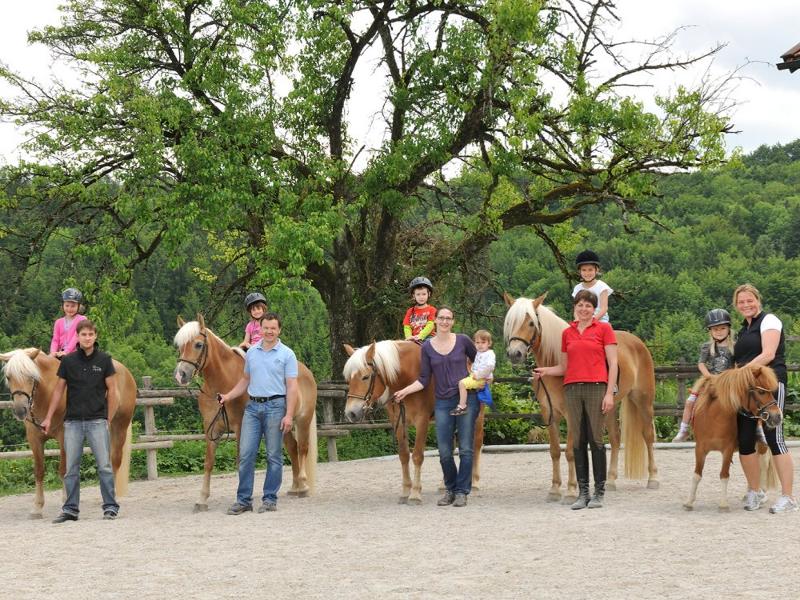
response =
{"points": [[456, 480], [261, 420], [96, 433]]}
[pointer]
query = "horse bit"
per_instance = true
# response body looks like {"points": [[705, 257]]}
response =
{"points": [[29, 398]]}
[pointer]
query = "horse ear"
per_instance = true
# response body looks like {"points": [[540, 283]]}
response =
{"points": [[32, 353], [538, 301], [180, 321], [508, 298], [756, 371], [370, 353], [349, 349], [201, 320]]}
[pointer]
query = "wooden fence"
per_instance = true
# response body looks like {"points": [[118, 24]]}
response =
{"points": [[331, 425]]}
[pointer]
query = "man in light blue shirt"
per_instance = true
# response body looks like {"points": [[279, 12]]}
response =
{"points": [[270, 378]]}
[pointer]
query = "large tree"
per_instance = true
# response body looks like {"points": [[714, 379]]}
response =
{"points": [[234, 119]]}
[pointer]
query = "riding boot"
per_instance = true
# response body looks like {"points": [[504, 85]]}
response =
{"points": [[599, 470], [582, 473]]}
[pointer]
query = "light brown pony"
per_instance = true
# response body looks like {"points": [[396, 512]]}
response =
{"points": [[719, 397], [221, 366], [31, 377], [373, 374], [531, 327]]}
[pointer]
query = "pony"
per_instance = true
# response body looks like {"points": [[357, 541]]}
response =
{"points": [[221, 366], [748, 390], [532, 327], [373, 373], [31, 377]]}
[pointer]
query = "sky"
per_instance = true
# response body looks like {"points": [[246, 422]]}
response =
{"points": [[755, 36]]}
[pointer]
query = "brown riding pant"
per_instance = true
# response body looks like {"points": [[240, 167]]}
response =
{"points": [[585, 401]]}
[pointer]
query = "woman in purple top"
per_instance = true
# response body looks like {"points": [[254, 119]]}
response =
{"points": [[445, 357]]}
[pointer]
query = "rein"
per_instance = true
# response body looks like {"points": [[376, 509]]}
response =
{"points": [[222, 413], [29, 398]]}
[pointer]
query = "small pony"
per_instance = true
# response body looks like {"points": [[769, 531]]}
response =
{"points": [[747, 390], [31, 376]]}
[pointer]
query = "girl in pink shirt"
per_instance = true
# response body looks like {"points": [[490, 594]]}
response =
{"points": [[256, 305], [65, 340]]}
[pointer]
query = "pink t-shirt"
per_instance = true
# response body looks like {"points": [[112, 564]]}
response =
{"points": [[65, 338], [254, 329]]}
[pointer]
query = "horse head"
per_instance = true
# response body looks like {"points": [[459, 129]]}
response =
{"points": [[192, 343], [22, 376], [760, 402], [522, 328], [367, 371]]}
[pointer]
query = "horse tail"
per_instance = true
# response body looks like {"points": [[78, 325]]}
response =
{"points": [[637, 411], [769, 474], [632, 439], [313, 451], [123, 474]]}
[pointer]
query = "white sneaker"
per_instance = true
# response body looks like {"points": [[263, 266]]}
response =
{"points": [[682, 436], [752, 500], [762, 497], [784, 504]]}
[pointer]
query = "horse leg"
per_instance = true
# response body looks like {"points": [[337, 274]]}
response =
{"points": [[554, 495], [401, 434], [724, 477], [700, 453], [300, 485], [649, 435], [612, 427], [208, 467], [418, 456], [36, 443], [477, 447], [292, 449]]}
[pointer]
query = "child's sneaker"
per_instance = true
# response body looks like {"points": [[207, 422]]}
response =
{"points": [[784, 504], [458, 411], [682, 436]]}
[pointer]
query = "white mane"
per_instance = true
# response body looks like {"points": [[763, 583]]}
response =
{"points": [[20, 366], [187, 333], [548, 326], [386, 359]]}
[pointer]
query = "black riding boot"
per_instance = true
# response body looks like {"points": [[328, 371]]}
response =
{"points": [[582, 473], [599, 470]]}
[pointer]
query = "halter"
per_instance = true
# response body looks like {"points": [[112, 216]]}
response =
{"points": [[29, 398], [532, 349], [201, 362], [763, 413]]}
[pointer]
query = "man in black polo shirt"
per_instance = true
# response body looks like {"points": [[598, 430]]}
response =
{"points": [[88, 377]]}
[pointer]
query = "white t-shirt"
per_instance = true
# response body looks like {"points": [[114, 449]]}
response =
{"points": [[597, 289], [770, 321], [483, 365]]}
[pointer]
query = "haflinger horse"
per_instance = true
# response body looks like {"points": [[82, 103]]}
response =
{"points": [[373, 373], [221, 366], [31, 377], [532, 327], [748, 390]]}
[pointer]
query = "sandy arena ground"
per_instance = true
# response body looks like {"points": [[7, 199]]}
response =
{"points": [[352, 540]]}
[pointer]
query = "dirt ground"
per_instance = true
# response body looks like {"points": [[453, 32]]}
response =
{"points": [[352, 540]]}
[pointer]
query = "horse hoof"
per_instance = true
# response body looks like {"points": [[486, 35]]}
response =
{"points": [[35, 516], [611, 486], [415, 501], [302, 494], [569, 499], [688, 506], [402, 500], [653, 484], [554, 497], [725, 509], [198, 508], [292, 493], [475, 486]]}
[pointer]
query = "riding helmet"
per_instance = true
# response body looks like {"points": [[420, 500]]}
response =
{"points": [[420, 282], [587, 257], [253, 298], [71, 295], [717, 316]]}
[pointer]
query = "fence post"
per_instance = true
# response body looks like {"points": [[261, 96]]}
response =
{"points": [[150, 429], [327, 417]]}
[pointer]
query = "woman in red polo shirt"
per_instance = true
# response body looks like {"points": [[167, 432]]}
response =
{"points": [[589, 367]]}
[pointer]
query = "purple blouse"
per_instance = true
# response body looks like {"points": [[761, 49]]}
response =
{"points": [[447, 369]]}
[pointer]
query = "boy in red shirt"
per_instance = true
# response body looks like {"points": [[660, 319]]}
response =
{"points": [[419, 322]]}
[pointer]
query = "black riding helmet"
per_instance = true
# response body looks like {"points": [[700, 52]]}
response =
{"points": [[587, 257], [420, 282], [72, 295], [717, 316], [253, 298]]}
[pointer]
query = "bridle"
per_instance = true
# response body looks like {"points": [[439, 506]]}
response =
{"points": [[531, 347], [29, 398], [763, 412], [367, 403], [201, 361]]}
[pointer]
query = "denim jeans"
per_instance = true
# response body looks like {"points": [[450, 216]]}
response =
{"points": [[456, 480], [95, 432], [261, 420]]}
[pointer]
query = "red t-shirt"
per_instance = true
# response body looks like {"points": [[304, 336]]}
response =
{"points": [[417, 318], [586, 352]]}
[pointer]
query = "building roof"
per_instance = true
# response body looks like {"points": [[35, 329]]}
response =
{"points": [[791, 59]]}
